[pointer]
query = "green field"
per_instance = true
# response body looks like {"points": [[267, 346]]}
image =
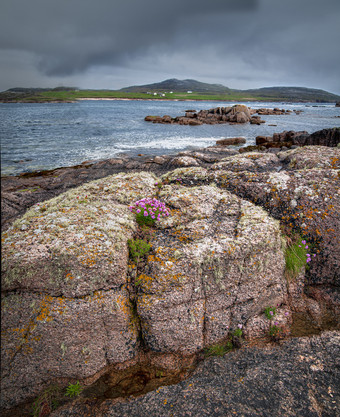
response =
{"points": [[66, 96]]}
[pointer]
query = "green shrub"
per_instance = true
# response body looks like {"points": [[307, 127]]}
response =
{"points": [[270, 312], [138, 248], [73, 390], [238, 332]]}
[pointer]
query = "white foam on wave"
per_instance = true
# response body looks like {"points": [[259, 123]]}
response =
{"points": [[178, 142]]}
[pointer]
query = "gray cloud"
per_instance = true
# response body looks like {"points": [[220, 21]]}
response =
{"points": [[242, 44]]}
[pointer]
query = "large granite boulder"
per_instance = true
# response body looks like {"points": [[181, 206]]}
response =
{"points": [[66, 310], [73, 305], [216, 263]]}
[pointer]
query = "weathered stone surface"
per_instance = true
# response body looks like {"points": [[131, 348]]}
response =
{"points": [[217, 263], [68, 310], [299, 378], [183, 161], [311, 157], [252, 162], [82, 233], [307, 200], [54, 338], [325, 137]]}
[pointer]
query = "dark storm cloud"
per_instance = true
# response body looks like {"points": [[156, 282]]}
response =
{"points": [[71, 35], [242, 44]]}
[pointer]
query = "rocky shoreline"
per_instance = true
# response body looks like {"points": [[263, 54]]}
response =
{"points": [[20, 192], [77, 307]]}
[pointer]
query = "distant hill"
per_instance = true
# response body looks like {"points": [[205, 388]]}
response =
{"points": [[178, 86], [272, 93], [295, 93]]}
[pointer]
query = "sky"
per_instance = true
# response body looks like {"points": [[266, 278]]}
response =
{"points": [[111, 44]]}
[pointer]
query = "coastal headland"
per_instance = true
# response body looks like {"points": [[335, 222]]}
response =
{"points": [[246, 266]]}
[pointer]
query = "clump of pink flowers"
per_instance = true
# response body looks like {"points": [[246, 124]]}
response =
{"points": [[308, 255], [149, 210]]}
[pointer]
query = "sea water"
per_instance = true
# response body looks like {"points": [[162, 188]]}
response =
{"points": [[43, 136]]}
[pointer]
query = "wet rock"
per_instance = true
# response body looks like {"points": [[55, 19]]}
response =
{"points": [[274, 111], [256, 120], [230, 141], [325, 137], [154, 119], [236, 114], [159, 160]]}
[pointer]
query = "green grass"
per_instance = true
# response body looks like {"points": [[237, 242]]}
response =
{"points": [[64, 96], [47, 401], [219, 349], [296, 255]]}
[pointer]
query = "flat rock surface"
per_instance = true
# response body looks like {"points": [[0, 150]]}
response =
{"points": [[299, 378]]}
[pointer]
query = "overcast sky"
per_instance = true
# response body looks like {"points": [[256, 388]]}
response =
{"points": [[117, 43]]}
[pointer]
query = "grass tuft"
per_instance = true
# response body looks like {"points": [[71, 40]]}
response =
{"points": [[296, 255]]}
